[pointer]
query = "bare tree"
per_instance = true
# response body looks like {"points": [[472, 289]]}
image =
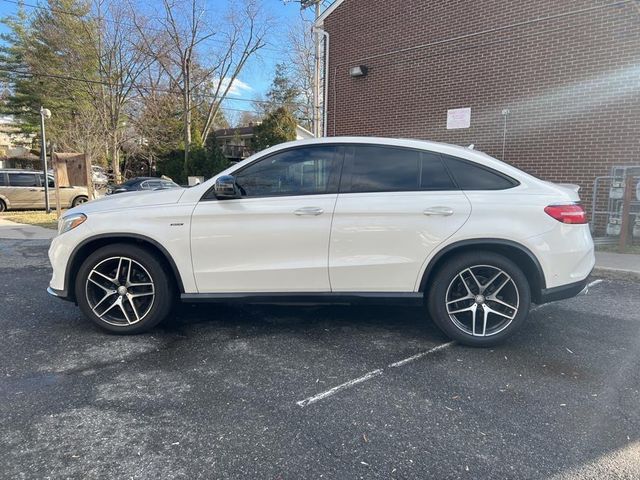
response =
{"points": [[245, 35], [300, 56], [184, 51], [84, 134], [119, 63]]}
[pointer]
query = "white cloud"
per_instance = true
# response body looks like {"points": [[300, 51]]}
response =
{"points": [[238, 87]]}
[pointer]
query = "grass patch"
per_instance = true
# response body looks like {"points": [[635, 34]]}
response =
{"points": [[39, 218], [614, 248]]}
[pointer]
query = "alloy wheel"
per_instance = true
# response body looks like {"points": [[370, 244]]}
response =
{"points": [[482, 300], [120, 291]]}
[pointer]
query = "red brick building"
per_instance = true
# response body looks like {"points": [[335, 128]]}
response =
{"points": [[565, 75]]}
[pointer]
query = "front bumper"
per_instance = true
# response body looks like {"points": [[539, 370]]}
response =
{"points": [[61, 294]]}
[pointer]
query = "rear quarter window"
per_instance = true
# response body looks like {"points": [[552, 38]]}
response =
{"points": [[471, 176]]}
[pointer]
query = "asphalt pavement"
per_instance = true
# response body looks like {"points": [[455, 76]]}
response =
{"points": [[334, 392]]}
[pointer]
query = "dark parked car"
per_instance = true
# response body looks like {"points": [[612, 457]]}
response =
{"points": [[142, 183]]}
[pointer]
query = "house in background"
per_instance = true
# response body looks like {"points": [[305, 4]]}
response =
{"points": [[550, 86], [15, 145], [237, 143]]}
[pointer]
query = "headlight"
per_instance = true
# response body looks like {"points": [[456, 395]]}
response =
{"points": [[70, 222]]}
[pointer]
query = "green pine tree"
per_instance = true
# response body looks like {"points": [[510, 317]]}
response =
{"points": [[282, 93], [39, 53], [279, 126]]}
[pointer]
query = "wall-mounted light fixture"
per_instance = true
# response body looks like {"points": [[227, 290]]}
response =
{"points": [[359, 71]]}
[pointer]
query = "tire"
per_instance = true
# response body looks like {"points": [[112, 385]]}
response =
{"points": [[453, 292], [79, 200], [135, 299], [3, 206]]}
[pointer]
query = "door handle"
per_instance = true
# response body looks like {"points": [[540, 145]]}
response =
{"points": [[309, 211], [36, 190], [443, 211]]}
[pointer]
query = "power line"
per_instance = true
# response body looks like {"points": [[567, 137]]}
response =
{"points": [[109, 20], [123, 85]]}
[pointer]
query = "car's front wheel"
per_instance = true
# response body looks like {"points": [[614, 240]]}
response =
{"points": [[124, 289], [479, 299]]}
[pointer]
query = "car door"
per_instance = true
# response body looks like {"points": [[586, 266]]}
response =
{"points": [[24, 190], [65, 192], [395, 206], [275, 238]]}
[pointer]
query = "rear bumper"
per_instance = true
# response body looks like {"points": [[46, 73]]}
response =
{"points": [[563, 291]]}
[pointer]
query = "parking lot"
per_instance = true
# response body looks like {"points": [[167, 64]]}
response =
{"points": [[281, 392]]}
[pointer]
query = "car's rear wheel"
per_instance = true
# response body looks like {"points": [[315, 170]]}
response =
{"points": [[3, 206], [80, 200], [124, 289], [479, 299]]}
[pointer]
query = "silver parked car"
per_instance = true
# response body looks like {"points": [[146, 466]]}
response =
{"points": [[24, 189]]}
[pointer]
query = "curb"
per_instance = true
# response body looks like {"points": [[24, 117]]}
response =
{"points": [[616, 274]]}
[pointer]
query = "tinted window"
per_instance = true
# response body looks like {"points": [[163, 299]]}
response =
{"points": [[151, 185], [131, 183], [23, 180], [386, 169], [167, 184], [301, 171], [383, 169], [470, 176], [433, 175], [2, 180], [51, 182]]}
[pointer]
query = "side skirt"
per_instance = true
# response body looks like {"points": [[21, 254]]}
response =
{"points": [[309, 298]]}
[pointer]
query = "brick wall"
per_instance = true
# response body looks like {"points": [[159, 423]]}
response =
{"points": [[571, 83]]}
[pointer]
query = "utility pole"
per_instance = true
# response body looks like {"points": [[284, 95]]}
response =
{"points": [[44, 113], [317, 114]]}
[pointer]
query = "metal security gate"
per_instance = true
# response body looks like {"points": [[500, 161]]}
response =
{"points": [[611, 203]]}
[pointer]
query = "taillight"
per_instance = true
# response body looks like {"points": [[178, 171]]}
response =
{"points": [[572, 213]]}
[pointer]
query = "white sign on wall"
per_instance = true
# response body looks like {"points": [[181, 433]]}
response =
{"points": [[458, 118]]}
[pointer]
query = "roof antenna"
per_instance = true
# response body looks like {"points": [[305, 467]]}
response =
{"points": [[471, 147]]}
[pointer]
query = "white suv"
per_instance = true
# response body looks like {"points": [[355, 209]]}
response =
{"points": [[334, 220]]}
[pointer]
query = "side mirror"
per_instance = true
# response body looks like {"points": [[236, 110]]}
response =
{"points": [[225, 188]]}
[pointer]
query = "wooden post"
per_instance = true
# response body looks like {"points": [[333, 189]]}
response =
{"points": [[626, 208], [56, 182], [87, 162]]}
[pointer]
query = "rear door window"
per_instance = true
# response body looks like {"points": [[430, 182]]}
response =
{"points": [[433, 174], [391, 169], [23, 180], [3, 182], [384, 169]]}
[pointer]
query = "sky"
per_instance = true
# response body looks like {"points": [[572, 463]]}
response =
{"points": [[256, 78]]}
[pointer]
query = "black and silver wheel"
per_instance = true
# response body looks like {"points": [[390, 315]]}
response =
{"points": [[79, 200], [479, 299], [124, 289]]}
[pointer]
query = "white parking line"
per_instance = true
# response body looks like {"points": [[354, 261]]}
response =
{"points": [[420, 355], [368, 376], [334, 390], [595, 282]]}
